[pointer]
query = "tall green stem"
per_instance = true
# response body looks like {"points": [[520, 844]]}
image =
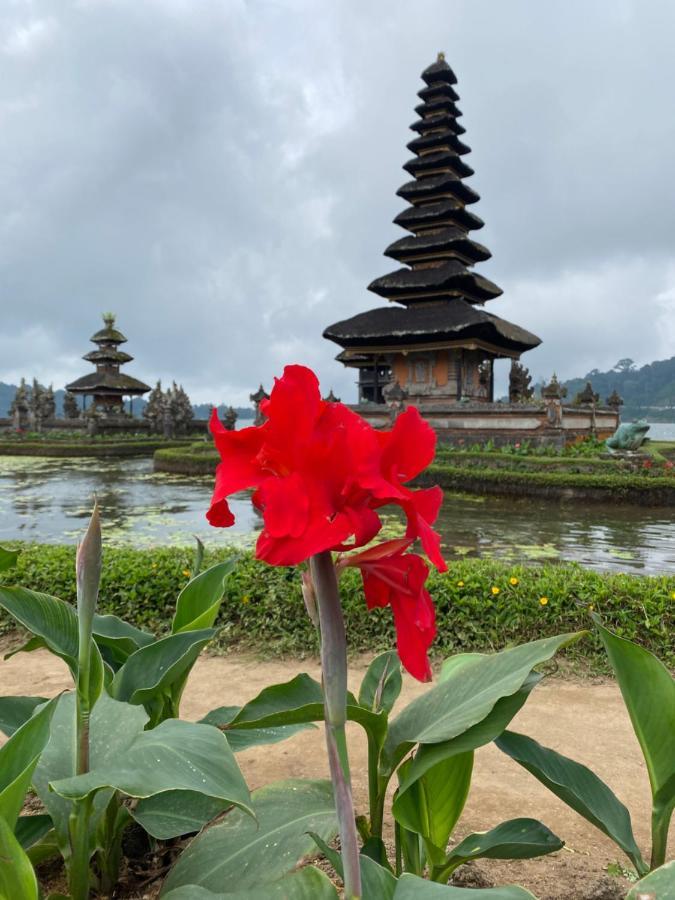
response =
{"points": [[334, 668]]}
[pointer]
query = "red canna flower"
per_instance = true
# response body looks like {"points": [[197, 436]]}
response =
{"points": [[320, 473], [394, 578]]}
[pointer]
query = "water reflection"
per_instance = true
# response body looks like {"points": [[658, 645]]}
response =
{"points": [[50, 499]]}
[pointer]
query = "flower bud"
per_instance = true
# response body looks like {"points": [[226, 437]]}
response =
{"points": [[309, 597], [88, 572]]}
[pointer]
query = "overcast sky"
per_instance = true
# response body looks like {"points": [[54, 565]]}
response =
{"points": [[222, 175]]}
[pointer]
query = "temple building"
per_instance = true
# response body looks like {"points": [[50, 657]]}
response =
{"points": [[107, 385], [434, 339]]}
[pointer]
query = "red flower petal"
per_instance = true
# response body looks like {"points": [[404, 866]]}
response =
{"points": [[410, 446]]}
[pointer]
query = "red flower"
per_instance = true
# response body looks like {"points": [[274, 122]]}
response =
{"points": [[394, 578], [321, 471]]}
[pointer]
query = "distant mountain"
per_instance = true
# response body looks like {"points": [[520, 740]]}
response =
{"points": [[201, 410], [648, 392]]}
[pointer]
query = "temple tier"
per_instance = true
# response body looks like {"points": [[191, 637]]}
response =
{"points": [[435, 341], [107, 384]]}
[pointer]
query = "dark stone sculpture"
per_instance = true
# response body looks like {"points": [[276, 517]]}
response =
{"points": [[587, 397], [519, 383], [257, 398], [554, 390], [629, 436]]}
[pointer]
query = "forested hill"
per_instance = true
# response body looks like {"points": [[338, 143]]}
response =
{"points": [[647, 392]]}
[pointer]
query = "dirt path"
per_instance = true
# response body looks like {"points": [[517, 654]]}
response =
{"points": [[585, 720]]}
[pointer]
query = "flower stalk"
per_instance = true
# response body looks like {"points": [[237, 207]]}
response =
{"points": [[334, 676]]}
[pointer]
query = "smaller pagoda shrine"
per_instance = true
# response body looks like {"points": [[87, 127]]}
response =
{"points": [[107, 385]]}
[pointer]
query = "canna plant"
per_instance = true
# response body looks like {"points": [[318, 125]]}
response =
{"points": [[648, 691], [100, 759]]}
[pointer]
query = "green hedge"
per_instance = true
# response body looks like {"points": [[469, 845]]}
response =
{"points": [[264, 608], [86, 446], [646, 489], [199, 459]]}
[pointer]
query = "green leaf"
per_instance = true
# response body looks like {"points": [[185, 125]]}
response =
{"points": [[54, 624], [469, 693], [175, 813], [18, 759], [14, 711], [307, 884], [242, 853], [382, 683], [515, 839], [8, 558], [579, 787], [242, 739], [660, 883], [299, 701], [428, 755], [174, 756], [648, 691], [154, 669], [31, 829], [199, 602], [410, 887], [113, 727], [17, 878], [459, 661], [120, 637], [432, 805]]}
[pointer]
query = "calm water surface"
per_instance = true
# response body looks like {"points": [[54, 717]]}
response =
{"points": [[50, 500]]}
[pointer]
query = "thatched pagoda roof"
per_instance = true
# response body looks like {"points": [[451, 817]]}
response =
{"points": [[437, 244], [452, 277], [113, 383]]}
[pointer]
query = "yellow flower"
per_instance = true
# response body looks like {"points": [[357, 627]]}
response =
{"points": [[246, 599], [543, 600], [460, 584], [495, 590], [154, 565], [672, 595], [186, 572], [591, 607], [513, 581]]}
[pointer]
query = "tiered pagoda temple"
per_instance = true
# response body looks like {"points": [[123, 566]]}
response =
{"points": [[107, 385], [435, 339]]}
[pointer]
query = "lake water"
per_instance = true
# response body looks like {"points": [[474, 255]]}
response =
{"points": [[50, 500]]}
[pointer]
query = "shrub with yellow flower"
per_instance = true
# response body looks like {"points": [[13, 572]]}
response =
{"points": [[513, 580], [543, 600], [186, 572], [495, 590], [460, 584]]}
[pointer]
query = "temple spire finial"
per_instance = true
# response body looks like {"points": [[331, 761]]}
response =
{"points": [[440, 57]]}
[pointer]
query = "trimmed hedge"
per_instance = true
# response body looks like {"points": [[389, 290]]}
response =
{"points": [[478, 608], [644, 490], [86, 447], [199, 459]]}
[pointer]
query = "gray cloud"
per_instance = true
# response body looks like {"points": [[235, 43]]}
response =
{"points": [[223, 175]]}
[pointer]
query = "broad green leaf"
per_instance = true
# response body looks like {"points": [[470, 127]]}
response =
{"points": [[174, 756], [515, 839], [175, 813], [120, 637], [578, 786], [54, 625], [648, 691], [377, 883], [8, 558], [154, 669], [17, 878], [242, 739], [307, 884], [199, 601], [242, 853], [660, 884], [428, 755], [14, 711], [382, 683], [31, 829], [410, 887], [113, 727], [433, 803], [459, 661], [299, 701], [469, 693], [18, 759]]}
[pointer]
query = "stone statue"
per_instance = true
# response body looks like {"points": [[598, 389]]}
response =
{"points": [[554, 390], [153, 411], [614, 401], [48, 406], [229, 420], [628, 436], [331, 398], [587, 397], [257, 398], [395, 397], [70, 408], [19, 407], [519, 383]]}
